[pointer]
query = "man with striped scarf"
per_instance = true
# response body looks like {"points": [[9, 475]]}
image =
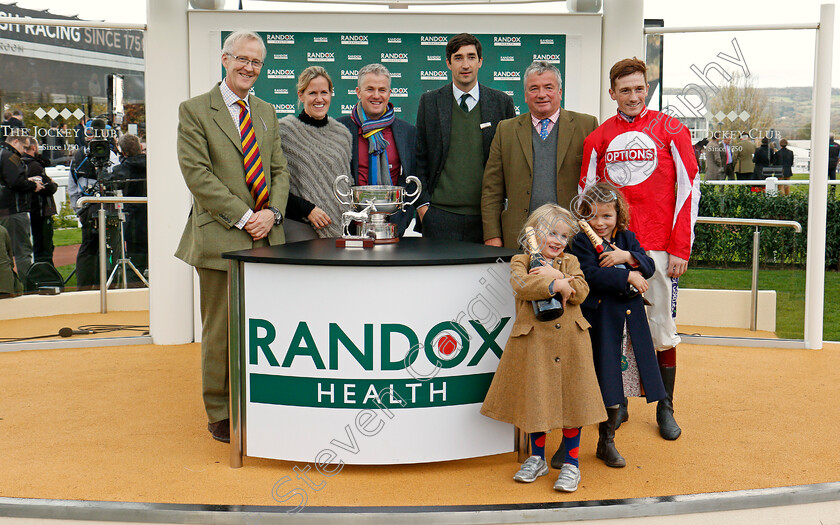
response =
{"points": [[383, 145]]}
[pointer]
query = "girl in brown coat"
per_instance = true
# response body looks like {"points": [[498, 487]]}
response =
{"points": [[546, 378]]}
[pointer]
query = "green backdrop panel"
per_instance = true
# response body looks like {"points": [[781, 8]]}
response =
{"points": [[417, 62]]}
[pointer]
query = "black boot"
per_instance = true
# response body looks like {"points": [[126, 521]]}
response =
{"points": [[623, 415], [559, 457], [668, 427], [606, 441]]}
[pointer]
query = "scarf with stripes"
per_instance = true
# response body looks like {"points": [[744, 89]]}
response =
{"points": [[377, 145]]}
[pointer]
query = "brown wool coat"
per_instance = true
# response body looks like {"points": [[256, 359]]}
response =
{"points": [[546, 378]]}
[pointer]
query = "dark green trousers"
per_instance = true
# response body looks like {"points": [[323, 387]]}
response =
{"points": [[214, 343]]}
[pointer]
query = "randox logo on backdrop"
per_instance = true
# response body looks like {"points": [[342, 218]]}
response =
{"points": [[507, 41], [395, 75], [355, 57], [349, 74], [320, 39], [347, 108], [284, 108], [432, 58], [281, 91], [281, 56], [280, 73], [274, 38], [447, 345], [546, 41], [506, 75], [392, 40], [433, 40], [324, 56], [434, 75], [393, 57], [507, 59], [354, 39], [399, 92], [551, 59]]}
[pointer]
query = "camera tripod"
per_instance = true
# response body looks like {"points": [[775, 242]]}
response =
{"points": [[124, 261]]}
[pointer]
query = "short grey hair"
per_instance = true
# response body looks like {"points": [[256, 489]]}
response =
{"points": [[374, 69], [539, 67], [236, 37]]}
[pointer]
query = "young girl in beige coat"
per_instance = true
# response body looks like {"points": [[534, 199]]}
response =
{"points": [[546, 378]]}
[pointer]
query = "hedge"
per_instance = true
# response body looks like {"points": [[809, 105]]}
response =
{"points": [[728, 246]]}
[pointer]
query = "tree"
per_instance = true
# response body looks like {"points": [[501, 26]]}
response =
{"points": [[741, 99]]}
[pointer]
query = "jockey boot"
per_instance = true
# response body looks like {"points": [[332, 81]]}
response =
{"points": [[668, 427]]}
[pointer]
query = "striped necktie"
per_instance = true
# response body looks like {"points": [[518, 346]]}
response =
{"points": [[254, 176]]}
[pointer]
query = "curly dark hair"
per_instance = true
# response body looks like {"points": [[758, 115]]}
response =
{"points": [[603, 193]]}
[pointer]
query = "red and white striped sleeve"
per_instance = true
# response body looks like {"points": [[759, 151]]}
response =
{"points": [[688, 194], [589, 166]]}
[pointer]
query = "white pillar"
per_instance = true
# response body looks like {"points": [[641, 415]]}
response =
{"points": [[167, 84], [623, 36], [818, 193]]}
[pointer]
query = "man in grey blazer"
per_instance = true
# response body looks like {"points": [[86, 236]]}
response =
{"points": [[228, 212], [451, 172]]}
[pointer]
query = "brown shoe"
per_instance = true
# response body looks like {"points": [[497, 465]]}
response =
{"points": [[220, 430]]}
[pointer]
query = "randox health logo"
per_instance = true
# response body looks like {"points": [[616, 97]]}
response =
{"points": [[550, 58], [280, 73], [434, 75], [399, 92], [448, 345], [393, 57], [277, 38], [358, 40], [349, 74], [284, 108], [323, 56], [503, 41], [433, 40], [506, 75]]}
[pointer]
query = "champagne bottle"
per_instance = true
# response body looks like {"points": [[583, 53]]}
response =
{"points": [[545, 309], [602, 246]]}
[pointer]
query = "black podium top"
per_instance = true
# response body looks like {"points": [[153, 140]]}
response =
{"points": [[410, 251]]}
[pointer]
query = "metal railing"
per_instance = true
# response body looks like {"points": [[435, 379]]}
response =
{"points": [[104, 281], [770, 182], [756, 242]]}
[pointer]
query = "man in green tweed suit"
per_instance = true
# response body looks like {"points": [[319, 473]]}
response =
{"points": [[232, 209]]}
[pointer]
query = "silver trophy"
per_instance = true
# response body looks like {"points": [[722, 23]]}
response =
{"points": [[370, 206]]}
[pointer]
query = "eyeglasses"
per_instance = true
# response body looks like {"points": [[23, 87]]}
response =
{"points": [[256, 64]]}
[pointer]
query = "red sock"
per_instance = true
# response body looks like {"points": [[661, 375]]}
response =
{"points": [[571, 441], [667, 358]]}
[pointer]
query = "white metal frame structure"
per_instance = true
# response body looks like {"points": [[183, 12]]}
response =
{"points": [[818, 189], [168, 82]]}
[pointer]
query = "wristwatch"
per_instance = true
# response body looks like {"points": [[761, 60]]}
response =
{"points": [[278, 217]]}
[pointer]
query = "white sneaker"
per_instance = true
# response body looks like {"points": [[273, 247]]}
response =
{"points": [[569, 478], [533, 468]]}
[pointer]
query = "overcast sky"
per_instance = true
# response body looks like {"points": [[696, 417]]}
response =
{"points": [[774, 58]]}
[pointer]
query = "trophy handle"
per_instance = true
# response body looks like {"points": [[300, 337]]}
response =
{"points": [[413, 196], [338, 193]]}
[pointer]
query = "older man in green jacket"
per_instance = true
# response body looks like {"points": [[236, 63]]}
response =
{"points": [[230, 156]]}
